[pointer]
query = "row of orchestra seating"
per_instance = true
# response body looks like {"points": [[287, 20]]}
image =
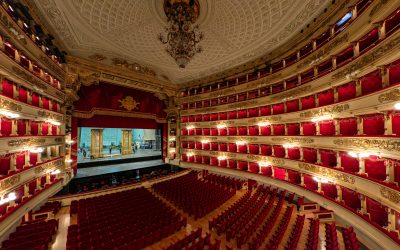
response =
{"points": [[331, 238], [132, 219], [195, 197], [294, 237], [195, 241], [350, 239], [229, 182], [34, 235], [313, 235]]}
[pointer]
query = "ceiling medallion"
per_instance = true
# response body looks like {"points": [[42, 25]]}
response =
{"points": [[182, 36]]}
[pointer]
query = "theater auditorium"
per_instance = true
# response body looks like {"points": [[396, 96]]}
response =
{"points": [[199, 124]]}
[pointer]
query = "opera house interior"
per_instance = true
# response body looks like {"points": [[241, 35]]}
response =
{"points": [[199, 124]]}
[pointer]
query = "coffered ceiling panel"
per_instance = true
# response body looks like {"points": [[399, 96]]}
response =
{"points": [[235, 31]]}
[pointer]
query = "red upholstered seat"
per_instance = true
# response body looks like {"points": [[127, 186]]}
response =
{"points": [[327, 127], [294, 153], [206, 117], [21, 127], [199, 145], [242, 165], [198, 159], [328, 158], [349, 163], [232, 147], [253, 148], [198, 131], [394, 72], [310, 183], [242, 130], [198, 118], [375, 168], [223, 116], [253, 112], [191, 144], [184, 119], [213, 117], [184, 144], [310, 155], [253, 167], [191, 131], [241, 114], [266, 171], [293, 129], [5, 126], [308, 102], [206, 131], [223, 131], [223, 163], [206, 159], [294, 176], [214, 161], [329, 190], [5, 164], [279, 151], [206, 146], [265, 130], [232, 163], [371, 82], [214, 131], [396, 124], [253, 130], [214, 146], [8, 89], [23, 95], [242, 149]]}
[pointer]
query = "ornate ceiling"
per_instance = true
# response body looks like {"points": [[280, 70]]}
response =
{"points": [[235, 32]]}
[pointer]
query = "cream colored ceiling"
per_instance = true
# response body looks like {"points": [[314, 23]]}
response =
{"points": [[235, 31]]}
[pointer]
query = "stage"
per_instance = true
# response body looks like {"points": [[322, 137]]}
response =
{"points": [[114, 168]]}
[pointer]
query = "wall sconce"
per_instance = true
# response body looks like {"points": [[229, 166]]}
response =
{"points": [[9, 114], [221, 126], [36, 150], [10, 197]]}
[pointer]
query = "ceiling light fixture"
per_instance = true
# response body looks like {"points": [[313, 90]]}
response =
{"points": [[182, 37], [397, 106]]}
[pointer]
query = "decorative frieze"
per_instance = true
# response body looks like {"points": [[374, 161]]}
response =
{"points": [[392, 195], [9, 182], [305, 140], [328, 173], [272, 160], [49, 115], [49, 167], [325, 110], [391, 96], [10, 105], [28, 142], [380, 144]]}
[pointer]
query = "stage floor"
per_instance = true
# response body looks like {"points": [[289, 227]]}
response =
{"points": [[108, 169], [108, 157]]}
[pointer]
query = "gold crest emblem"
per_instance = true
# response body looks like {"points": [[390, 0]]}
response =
{"points": [[129, 103]]}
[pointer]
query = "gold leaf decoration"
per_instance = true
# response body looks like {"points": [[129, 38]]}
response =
{"points": [[129, 103]]}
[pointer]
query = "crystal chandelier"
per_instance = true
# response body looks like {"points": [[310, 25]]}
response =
{"points": [[182, 36]]}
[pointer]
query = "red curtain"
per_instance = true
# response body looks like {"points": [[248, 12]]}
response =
{"points": [[266, 171], [20, 160], [54, 107], [21, 127], [253, 130], [267, 150], [377, 212], [45, 102], [371, 82], [206, 117], [232, 164], [206, 131], [279, 151], [242, 165], [232, 147], [348, 126], [279, 129], [253, 167], [32, 187], [198, 131], [34, 128], [279, 173], [351, 198], [191, 158], [308, 102], [397, 171], [309, 128], [206, 146], [214, 161], [253, 112], [328, 158], [329, 190], [191, 131], [198, 159], [4, 164], [294, 177], [223, 163], [54, 130], [242, 149], [232, 115], [327, 127], [214, 131], [35, 99], [345, 56], [198, 118], [368, 40], [223, 116], [375, 168], [213, 117], [265, 130], [292, 106], [394, 72], [347, 91], [374, 124], [184, 119], [214, 146], [241, 114], [396, 124], [223, 131], [253, 149], [223, 147], [232, 131], [293, 129], [232, 98], [310, 183], [266, 110], [326, 98], [184, 144], [278, 108], [5, 127], [349, 163], [191, 144], [23, 95], [199, 145], [310, 155], [294, 153], [184, 157], [8, 89], [242, 130]]}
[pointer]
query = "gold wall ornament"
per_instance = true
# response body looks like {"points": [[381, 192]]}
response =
{"points": [[328, 173], [325, 111], [10, 105], [293, 140], [29, 142], [392, 195], [9, 182], [30, 78], [391, 96], [273, 160], [290, 93], [273, 118], [133, 66], [381, 144], [97, 57], [242, 138], [50, 116], [49, 167], [129, 103], [241, 105]]}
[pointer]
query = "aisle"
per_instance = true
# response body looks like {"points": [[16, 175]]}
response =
{"points": [[63, 218]]}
